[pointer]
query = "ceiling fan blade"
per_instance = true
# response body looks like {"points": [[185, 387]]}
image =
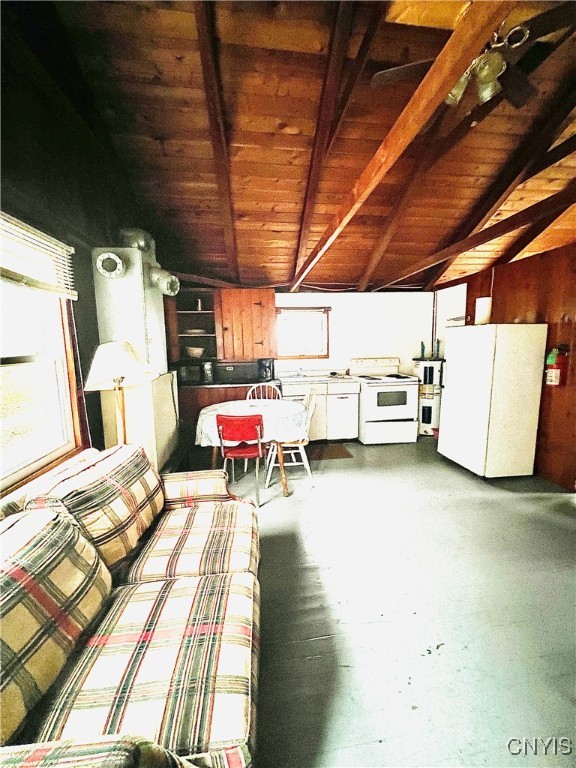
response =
{"points": [[516, 87], [558, 17], [405, 73]]}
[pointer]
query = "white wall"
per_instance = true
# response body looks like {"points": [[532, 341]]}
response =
{"points": [[366, 325], [450, 311]]}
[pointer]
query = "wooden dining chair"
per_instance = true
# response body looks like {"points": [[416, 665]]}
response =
{"points": [[264, 392], [246, 432], [294, 453]]}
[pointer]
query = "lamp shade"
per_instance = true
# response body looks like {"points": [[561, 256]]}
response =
{"points": [[115, 362]]}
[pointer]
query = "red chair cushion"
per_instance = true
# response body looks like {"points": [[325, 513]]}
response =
{"points": [[241, 451], [243, 430]]}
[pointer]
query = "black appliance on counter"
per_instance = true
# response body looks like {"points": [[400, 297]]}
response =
{"points": [[243, 372], [226, 371], [266, 368], [196, 372]]}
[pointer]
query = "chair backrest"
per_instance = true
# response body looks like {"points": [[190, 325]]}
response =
{"points": [[309, 405], [239, 429], [264, 392]]}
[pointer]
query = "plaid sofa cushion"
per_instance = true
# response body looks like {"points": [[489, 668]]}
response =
{"points": [[114, 498], [175, 661], [52, 584], [16, 501], [207, 537], [182, 488], [107, 752]]}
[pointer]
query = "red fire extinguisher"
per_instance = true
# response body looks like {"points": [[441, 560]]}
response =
{"points": [[556, 366]]}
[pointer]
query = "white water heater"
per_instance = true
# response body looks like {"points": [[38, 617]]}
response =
{"points": [[429, 371]]}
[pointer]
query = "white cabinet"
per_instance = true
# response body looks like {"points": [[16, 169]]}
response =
{"points": [[336, 412], [341, 416], [298, 392]]}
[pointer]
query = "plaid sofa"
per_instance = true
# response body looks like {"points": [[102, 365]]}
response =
{"points": [[129, 618]]}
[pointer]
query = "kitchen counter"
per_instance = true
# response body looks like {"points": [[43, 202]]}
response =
{"points": [[317, 379]]}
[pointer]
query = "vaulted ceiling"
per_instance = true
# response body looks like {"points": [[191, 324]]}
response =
{"points": [[259, 148]]}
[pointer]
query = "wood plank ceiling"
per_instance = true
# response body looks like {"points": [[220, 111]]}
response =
{"points": [[254, 140]]}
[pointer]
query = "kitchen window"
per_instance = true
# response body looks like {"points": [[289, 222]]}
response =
{"points": [[302, 332], [38, 408]]}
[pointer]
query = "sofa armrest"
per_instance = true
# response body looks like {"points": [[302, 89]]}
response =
{"points": [[181, 489], [111, 751]]}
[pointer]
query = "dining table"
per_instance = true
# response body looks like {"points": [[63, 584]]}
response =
{"points": [[284, 421]]}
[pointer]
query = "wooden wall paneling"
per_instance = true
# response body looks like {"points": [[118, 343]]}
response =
{"points": [[524, 292], [172, 329]]}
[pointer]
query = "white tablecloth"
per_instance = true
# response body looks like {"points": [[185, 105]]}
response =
{"points": [[284, 420]]}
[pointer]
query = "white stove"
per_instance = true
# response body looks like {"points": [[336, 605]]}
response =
{"points": [[388, 401]]}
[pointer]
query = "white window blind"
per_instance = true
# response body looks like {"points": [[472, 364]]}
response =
{"points": [[31, 258]]}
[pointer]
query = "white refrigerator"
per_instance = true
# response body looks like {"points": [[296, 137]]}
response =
{"points": [[492, 385]]}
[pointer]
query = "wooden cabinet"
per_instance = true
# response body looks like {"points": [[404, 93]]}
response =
{"points": [[245, 320], [228, 324]]}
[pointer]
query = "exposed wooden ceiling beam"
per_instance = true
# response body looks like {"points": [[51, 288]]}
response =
{"points": [[201, 280], [561, 200], [330, 89], [433, 153], [474, 28], [534, 145], [412, 183], [526, 237], [554, 155], [377, 13], [204, 13]]}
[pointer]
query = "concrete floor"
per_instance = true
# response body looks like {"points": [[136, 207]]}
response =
{"points": [[414, 614]]}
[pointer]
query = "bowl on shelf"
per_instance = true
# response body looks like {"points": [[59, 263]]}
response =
{"points": [[194, 331], [194, 351]]}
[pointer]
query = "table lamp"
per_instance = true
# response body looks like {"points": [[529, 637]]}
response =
{"points": [[116, 365]]}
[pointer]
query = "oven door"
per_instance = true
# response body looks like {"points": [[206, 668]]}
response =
{"points": [[389, 402]]}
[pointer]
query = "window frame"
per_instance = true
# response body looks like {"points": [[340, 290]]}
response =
{"points": [[326, 312], [15, 480]]}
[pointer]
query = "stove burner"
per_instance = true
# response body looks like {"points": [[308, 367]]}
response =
{"points": [[371, 378], [397, 376]]}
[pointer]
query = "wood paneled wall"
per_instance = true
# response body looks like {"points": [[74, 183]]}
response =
{"points": [[542, 289]]}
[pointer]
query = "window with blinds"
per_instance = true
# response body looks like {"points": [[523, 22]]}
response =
{"points": [[38, 408]]}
